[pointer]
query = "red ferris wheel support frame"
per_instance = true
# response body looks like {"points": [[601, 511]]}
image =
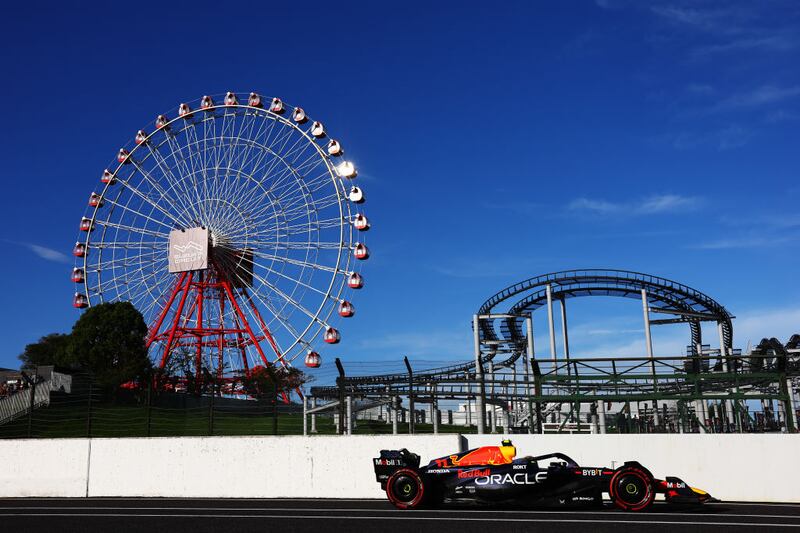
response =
{"points": [[187, 327]]}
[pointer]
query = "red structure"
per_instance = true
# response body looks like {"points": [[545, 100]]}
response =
{"points": [[206, 310]]}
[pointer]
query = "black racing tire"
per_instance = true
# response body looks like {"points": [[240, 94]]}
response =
{"points": [[405, 489], [631, 489]]}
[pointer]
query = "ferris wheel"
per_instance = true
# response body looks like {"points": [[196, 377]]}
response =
{"points": [[235, 226]]}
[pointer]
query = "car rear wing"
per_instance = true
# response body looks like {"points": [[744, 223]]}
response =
{"points": [[391, 461]]}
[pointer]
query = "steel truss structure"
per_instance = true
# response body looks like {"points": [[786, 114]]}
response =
{"points": [[708, 390]]}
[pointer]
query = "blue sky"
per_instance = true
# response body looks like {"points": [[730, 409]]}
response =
{"points": [[495, 143]]}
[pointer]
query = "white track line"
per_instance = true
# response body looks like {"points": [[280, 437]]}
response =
{"points": [[185, 499], [373, 510], [757, 504], [380, 518], [371, 500]]}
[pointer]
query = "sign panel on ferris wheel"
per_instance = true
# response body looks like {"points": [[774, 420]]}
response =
{"points": [[235, 226]]}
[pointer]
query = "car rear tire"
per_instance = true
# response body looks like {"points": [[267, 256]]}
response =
{"points": [[631, 489], [405, 489]]}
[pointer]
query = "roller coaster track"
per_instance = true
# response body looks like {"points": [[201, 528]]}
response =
{"points": [[690, 305]]}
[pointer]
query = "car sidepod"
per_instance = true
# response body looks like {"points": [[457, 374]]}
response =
{"points": [[522, 481]]}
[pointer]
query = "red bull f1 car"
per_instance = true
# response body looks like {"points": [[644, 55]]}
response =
{"points": [[494, 473]]}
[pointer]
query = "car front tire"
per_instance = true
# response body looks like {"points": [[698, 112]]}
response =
{"points": [[631, 489]]}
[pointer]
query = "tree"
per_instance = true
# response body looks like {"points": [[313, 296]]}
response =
{"points": [[267, 382], [109, 340], [182, 367], [51, 349]]}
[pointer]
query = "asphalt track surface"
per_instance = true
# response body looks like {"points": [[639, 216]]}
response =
{"points": [[120, 515]]}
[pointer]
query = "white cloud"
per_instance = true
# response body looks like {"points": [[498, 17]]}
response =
{"points": [[666, 203], [756, 231], [751, 241], [752, 326], [700, 88], [597, 206], [772, 220], [609, 4], [521, 208], [780, 115], [498, 266], [733, 136], [651, 205], [775, 42], [699, 19], [669, 346], [456, 343], [474, 270], [625, 342], [49, 253], [668, 341], [759, 96], [727, 138], [735, 28], [44, 252], [602, 331]]}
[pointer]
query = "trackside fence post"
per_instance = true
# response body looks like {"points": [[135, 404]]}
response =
{"points": [[789, 410], [792, 403], [411, 428], [33, 399], [349, 415], [89, 411], [480, 399], [340, 384], [313, 417], [395, 413], [274, 401], [211, 411], [148, 406], [528, 357], [434, 411], [305, 415], [601, 413]]}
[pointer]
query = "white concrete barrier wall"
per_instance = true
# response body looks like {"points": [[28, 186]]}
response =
{"points": [[34, 467], [757, 468], [761, 468], [249, 467]]}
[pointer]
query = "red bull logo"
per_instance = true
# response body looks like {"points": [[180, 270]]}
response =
{"points": [[467, 474]]}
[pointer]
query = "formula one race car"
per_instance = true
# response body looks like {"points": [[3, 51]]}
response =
{"points": [[491, 473]]}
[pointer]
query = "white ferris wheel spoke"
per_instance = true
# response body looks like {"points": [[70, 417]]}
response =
{"points": [[165, 199], [265, 172], [128, 245], [125, 260], [297, 262], [186, 169], [137, 213], [176, 183], [133, 229]]}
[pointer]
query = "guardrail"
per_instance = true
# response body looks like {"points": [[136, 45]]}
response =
{"points": [[19, 403]]}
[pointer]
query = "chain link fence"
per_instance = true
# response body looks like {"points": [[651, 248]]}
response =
{"points": [[86, 409]]}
